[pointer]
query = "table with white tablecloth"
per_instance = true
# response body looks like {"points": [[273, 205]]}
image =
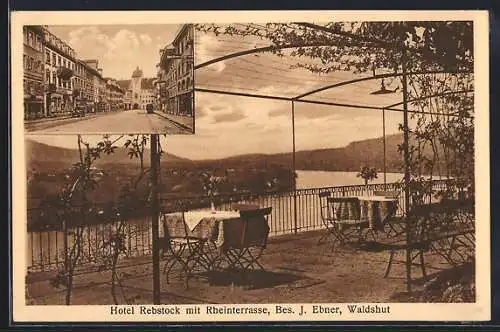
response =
{"points": [[376, 210], [203, 224]]}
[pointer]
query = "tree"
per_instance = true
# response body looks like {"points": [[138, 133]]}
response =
{"points": [[132, 199], [363, 46], [367, 174], [75, 209]]}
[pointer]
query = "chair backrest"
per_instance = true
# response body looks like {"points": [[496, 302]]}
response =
{"points": [[175, 227], [234, 232], [171, 227], [253, 213], [326, 213], [244, 207], [429, 220], [345, 208], [250, 230]]}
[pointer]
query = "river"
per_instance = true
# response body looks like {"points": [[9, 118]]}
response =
{"points": [[45, 249], [318, 179]]}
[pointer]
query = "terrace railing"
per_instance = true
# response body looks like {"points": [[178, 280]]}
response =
{"points": [[293, 212]]}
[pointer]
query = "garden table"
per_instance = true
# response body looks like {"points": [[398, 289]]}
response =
{"points": [[203, 240], [377, 210], [203, 224], [194, 240]]}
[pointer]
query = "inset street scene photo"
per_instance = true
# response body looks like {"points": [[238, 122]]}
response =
{"points": [[333, 162], [108, 79]]}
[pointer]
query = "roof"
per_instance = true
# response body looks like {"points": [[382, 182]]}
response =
{"points": [[147, 83], [90, 68], [124, 84], [181, 32]]}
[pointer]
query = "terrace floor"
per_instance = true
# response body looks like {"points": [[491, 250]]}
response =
{"points": [[298, 270]]}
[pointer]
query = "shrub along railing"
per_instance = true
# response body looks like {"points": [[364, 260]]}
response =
{"points": [[293, 212]]}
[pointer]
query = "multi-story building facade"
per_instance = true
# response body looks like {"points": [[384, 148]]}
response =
{"points": [[148, 95], [114, 95], [99, 85], [176, 72], [138, 91], [127, 97], [103, 102], [55, 81], [83, 91], [33, 72], [59, 62]]}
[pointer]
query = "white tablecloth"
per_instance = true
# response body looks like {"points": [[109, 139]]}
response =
{"points": [[193, 218], [376, 198], [376, 210]]}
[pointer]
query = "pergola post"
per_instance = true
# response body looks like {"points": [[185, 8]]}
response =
{"points": [[155, 158], [407, 171], [294, 171], [385, 157]]}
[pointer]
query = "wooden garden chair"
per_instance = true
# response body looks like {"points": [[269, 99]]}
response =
{"points": [[245, 239], [181, 249]]}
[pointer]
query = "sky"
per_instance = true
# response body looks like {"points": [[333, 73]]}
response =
{"points": [[119, 48], [230, 125]]}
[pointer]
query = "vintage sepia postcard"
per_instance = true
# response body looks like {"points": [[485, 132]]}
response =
{"points": [[339, 170], [108, 78]]}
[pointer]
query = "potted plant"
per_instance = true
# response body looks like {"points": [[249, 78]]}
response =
{"points": [[367, 174], [211, 185]]}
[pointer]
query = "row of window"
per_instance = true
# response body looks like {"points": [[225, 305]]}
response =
{"points": [[52, 78], [79, 69], [185, 41], [59, 44], [181, 87], [32, 64], [51, 58], [82, 84], [32, 87], [184, 69], [86, 95], [58, 60], [32, 39]]}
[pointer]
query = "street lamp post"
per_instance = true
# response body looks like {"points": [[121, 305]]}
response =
{"points": [[383, 90]]}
